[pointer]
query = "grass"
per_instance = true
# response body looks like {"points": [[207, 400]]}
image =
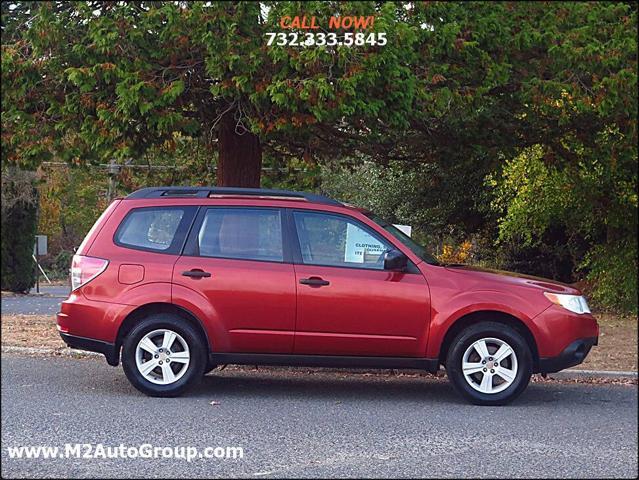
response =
{"points": [[617, 349], [37, 331]]}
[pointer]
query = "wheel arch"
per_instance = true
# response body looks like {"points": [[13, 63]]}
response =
{"points": [[159, 307], [494, 316]]}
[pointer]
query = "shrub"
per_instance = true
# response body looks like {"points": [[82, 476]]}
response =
{"points": [[613, 275], [19, 221]]}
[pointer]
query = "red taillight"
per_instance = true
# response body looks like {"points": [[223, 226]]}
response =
{"points": [[84, 269]]}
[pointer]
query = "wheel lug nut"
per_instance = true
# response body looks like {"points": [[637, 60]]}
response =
{"points": [[167, 360], [492, 371], [157, 356], [483, 362], [485, 369], [160, 362], [496, 364], [489, 358]]}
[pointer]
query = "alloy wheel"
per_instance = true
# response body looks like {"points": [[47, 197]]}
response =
{"points": [[489, 365], [162, 356]]}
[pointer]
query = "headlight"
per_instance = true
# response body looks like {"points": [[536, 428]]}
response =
{"points": [[574, 303]]}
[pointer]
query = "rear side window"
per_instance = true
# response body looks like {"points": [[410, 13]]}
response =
{"points": [[158, 229], [241, 233]]}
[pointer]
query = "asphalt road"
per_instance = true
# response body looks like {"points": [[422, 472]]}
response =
{"points": [[47, 303], [298, 424]]}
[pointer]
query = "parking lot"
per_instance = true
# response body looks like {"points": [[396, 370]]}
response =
{"points": [[47, 303]]}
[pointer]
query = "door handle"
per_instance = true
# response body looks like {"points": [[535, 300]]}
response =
{"points": [[314, 281], [195, 273]]}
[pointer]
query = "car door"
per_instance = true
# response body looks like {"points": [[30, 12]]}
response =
{"points": [[347, 304], [235, 263]]}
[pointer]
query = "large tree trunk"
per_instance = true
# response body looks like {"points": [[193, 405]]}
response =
{"points": [[239, 156]]}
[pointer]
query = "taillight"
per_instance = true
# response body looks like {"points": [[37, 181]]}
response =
{"points": [[84, 269]]}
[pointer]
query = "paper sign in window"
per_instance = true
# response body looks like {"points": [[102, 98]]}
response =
{"points": [[360, 246]]}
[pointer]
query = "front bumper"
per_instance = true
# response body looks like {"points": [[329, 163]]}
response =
{"points": [[572, 355], [109, 350]]}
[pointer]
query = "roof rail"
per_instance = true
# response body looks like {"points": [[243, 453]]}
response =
{"points": [[205, 192]]}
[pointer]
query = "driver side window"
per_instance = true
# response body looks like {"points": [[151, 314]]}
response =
{"points": [[334, 240]]}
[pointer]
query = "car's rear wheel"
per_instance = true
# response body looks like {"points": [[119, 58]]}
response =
{"points": [[163, 355], [489, 363]]}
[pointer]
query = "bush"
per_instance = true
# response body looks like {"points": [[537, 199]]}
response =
{"points": [[571, 222], [19, 221], [57, 265], [613, 275]]}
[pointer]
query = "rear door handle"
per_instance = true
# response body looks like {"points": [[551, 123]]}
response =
{"points": [[196, 273], [314, 282]]}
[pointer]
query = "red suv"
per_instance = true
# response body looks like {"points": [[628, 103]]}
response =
{"points": [[176, 281]]}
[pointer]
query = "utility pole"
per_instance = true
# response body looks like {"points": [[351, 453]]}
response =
{"points": [[113, 170]]}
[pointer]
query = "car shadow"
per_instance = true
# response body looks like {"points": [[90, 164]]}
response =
{"points": [[324, 386], [300, 384]]}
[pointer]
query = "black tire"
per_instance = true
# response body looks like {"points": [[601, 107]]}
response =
{"points": [[499, 331], [196, 346]]}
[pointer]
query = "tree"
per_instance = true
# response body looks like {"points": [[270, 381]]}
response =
{"points": [[94, 81], [459, 91], [19, 220]]}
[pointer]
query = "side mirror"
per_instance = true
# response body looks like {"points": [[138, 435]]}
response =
{"points": [[395, 260]]}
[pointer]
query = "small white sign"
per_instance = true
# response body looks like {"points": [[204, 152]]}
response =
{"points": [[407, 229], [40, 245]]}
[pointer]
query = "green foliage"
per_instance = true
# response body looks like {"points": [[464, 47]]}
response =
{"points": [[392, 192], [613, 273], [584, 212], [18, 231], [57, 267], [99, 81], [529, 196], [539, 98]]}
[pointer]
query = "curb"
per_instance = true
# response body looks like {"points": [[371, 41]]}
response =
{"points": [[574, 374], [570, 374], [58, 352], [32, 295]]}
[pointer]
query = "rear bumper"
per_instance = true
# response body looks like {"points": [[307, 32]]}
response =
{"points": [[572, 355], [109, 350], [91, 325]]}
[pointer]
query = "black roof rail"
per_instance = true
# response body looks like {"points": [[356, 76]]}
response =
{"points": [[205, 192]]}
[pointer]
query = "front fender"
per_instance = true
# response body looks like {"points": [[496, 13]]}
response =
{"points": [[444, 316]]}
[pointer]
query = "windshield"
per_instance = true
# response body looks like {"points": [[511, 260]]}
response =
{"points": [[415, 247]]}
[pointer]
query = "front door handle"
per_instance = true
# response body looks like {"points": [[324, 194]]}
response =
{"points": [[195, 273], [314, 281]]}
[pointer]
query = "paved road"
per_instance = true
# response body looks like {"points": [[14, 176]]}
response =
{"points": [[294, 424], [48, 303]]}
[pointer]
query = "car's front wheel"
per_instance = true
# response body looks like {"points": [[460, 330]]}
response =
{"points": [[163, 355], [489, 363]]}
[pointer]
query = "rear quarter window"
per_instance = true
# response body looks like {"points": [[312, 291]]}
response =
{"points": [[159, 229]]}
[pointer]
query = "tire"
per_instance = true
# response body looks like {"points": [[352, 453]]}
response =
{"points": [[480, 386], [187, 356]]}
